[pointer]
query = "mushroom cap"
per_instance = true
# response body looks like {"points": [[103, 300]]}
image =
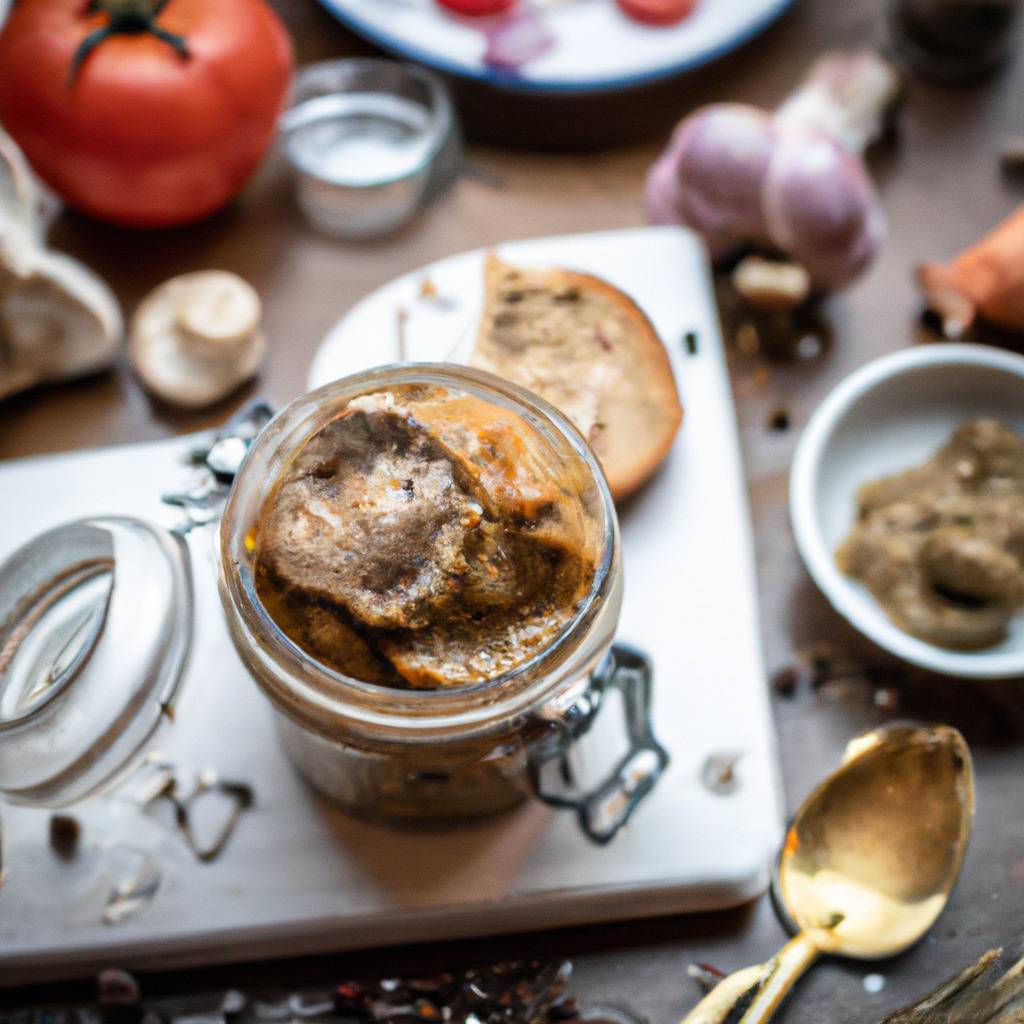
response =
{"points": [[197, 337]]}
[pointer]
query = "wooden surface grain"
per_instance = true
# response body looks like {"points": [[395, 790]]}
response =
{"points": [[941, 185]]}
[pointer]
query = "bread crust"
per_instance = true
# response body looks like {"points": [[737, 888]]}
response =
{"points": [[639, 426]]}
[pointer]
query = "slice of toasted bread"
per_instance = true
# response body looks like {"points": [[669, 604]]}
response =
{"points": [[588, 349]]}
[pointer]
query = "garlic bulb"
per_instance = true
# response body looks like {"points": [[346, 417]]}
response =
{"points": [[197, 337], [57, 318], [790, 181]]}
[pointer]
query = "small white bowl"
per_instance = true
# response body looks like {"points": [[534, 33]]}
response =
{"points": [[892, 414]]}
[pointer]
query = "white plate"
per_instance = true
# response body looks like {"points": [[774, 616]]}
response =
{"points": [[890, 415], [596, 47]]}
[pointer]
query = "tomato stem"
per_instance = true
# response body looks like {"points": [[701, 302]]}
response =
{"points": [[126, 18]]}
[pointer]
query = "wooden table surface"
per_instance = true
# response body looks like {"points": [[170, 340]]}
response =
{"points": [[942, 186]]}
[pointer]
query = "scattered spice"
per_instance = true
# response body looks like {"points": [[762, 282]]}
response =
{"points": [[117, 988], [706, 975], [524, 992], [351, 998], [304, 1005], [137, 880], [828, 664], [65, 832], [428, 290], [719, 773], [787, 679], [810, 346], [1011, 155], [762, 376], [887, 699], [779, 421], [748, 341], [690, 340], [233, 1005]]}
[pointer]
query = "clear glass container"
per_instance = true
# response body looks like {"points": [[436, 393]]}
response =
{"points": [[369, 140], [390, 753]]}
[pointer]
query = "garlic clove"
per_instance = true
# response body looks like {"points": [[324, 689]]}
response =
{"points": [[17, 186], [197, 337], [774, 286], [57, 320], [721, 156], [19, 232]]}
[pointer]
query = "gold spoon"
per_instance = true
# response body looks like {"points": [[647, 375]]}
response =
{"points": [[868, 862]]}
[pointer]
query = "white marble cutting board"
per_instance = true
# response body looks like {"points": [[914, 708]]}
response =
{"points": [[300, 877]]}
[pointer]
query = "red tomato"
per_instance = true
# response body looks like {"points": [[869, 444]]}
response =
{"points": [[477, 8], [657, 12], [140, 133]]}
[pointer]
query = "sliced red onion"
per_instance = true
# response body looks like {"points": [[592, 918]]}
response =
{"points": [[517, 38]]}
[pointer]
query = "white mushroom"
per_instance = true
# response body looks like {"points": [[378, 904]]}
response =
{"points": [[57, 318], [197, 337]]}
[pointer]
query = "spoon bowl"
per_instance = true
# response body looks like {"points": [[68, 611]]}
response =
{"points": [[868, 862]]}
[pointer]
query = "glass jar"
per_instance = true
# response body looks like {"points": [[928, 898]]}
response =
{"points": [[388, 753], [370, 141]]}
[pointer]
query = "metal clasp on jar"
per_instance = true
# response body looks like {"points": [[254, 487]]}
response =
{"points": [[605, 808], [219, 462]]}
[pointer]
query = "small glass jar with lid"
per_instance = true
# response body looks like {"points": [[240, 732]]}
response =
{"points": [[464, 751]]}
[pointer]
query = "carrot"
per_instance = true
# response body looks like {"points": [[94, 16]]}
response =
{"points": [[986, 280]]}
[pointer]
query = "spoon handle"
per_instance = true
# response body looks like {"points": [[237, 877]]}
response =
{"points": [[785, 969], [770, 982]]}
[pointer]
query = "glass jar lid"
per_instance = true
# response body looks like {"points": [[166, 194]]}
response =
{"points": [[95, 626]]}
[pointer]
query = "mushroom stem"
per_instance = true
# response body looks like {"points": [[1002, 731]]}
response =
{"points": [[197, 337]]}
